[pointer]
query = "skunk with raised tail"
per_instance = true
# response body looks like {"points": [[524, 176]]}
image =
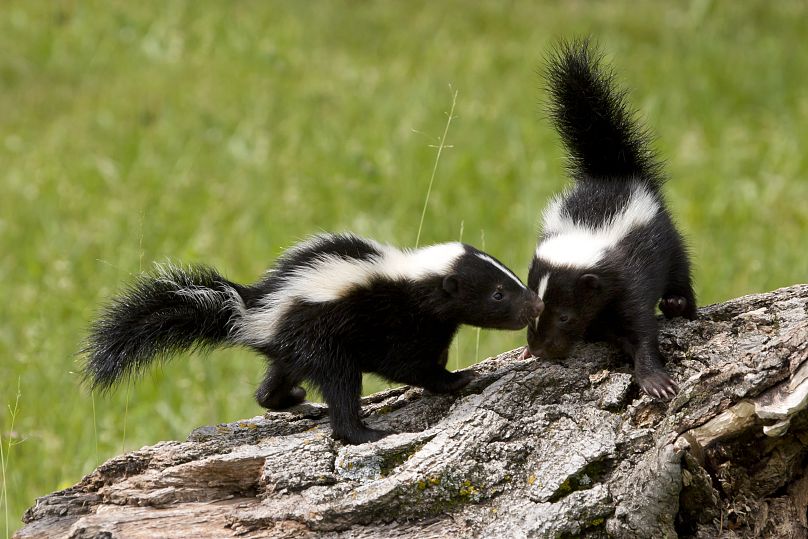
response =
{"points": [[332, 307], [608, 250]]}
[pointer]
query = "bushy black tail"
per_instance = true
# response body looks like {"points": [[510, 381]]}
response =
{"points": [[170, 310], [598, 128]]}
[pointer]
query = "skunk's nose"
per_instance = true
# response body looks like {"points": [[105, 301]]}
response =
{"points": [[530, 352], [538, 307], [534, 307]]}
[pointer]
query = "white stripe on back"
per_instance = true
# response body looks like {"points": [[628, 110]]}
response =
{"points": [[569, 243], [331, 277]]}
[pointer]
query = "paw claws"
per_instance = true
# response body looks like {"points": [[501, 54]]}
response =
{"points": [[464, 378], [363, 436], [673, 306], [659, 386]]}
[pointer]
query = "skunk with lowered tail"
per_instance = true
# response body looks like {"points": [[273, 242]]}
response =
{"points": [[608, 251], [332, 307]]}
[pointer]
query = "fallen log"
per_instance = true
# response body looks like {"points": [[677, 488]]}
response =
{"points": [[530, 449]]}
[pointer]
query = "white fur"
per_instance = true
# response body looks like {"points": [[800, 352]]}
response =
{"points": [[543, 286], [502, 268], [330, 277], [553, 215], [204, 296], [572, 244], [541, 290]]}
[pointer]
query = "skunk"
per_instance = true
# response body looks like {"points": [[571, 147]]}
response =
{"points": [[608, 249], [333, 307]]}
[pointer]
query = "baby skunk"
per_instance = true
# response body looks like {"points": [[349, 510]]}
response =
{"points": [[332, 308], [608, 250]]}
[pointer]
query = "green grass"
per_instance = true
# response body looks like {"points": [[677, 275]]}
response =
{"points": [[223, 132]]}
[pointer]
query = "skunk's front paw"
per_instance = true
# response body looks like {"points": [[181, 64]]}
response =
{"points": [[448, 382], [361, 436], [673, 306], [459, 380], [274, 401], [657, 384]]}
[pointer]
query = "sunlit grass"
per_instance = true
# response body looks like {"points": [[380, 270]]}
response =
{"points": [[224, 132]]}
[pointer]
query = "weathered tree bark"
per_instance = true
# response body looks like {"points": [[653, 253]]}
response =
{"points": [[530, 449]]}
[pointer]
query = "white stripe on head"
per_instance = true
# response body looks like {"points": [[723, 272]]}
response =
{"points": [[541, 291], [502, 268], [569, 243], [543, 286], [331, 277]]}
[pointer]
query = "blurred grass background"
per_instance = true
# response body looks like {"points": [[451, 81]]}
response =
{"points": [[223, 132]]}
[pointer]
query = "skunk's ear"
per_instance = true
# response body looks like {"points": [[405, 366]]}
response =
{"points": [[590, 281], [450, 284]]}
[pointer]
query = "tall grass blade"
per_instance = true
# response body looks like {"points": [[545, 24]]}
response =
{"points": [[440, 147]]}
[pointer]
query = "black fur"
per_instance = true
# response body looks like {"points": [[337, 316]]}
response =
{"points": [[596, 124], [400, 329], [611, 157], [157, 316]]}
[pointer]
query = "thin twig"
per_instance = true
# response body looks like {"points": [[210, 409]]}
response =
{"points": [[435, 167]]}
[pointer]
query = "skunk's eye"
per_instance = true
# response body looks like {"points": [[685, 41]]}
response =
{"points": [[498, 296], [563, 318]]}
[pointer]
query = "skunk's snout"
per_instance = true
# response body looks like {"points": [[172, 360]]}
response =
{"points": [[533, 307], [538, 344], [536, 308]]}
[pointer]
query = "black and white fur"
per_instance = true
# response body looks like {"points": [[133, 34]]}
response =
{"points": [[332, 308], [608, 250]]}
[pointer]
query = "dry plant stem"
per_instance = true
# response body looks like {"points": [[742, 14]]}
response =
{"points": [[5, 455], [441, 146], [125, 417], [95, 427], [479, 330], [5, 490]]}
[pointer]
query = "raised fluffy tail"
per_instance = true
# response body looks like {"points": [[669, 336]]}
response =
{"points": [[162, 313], [598, 128]]}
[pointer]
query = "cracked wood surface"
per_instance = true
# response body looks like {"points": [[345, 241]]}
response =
{"points": [[530, 449]]}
